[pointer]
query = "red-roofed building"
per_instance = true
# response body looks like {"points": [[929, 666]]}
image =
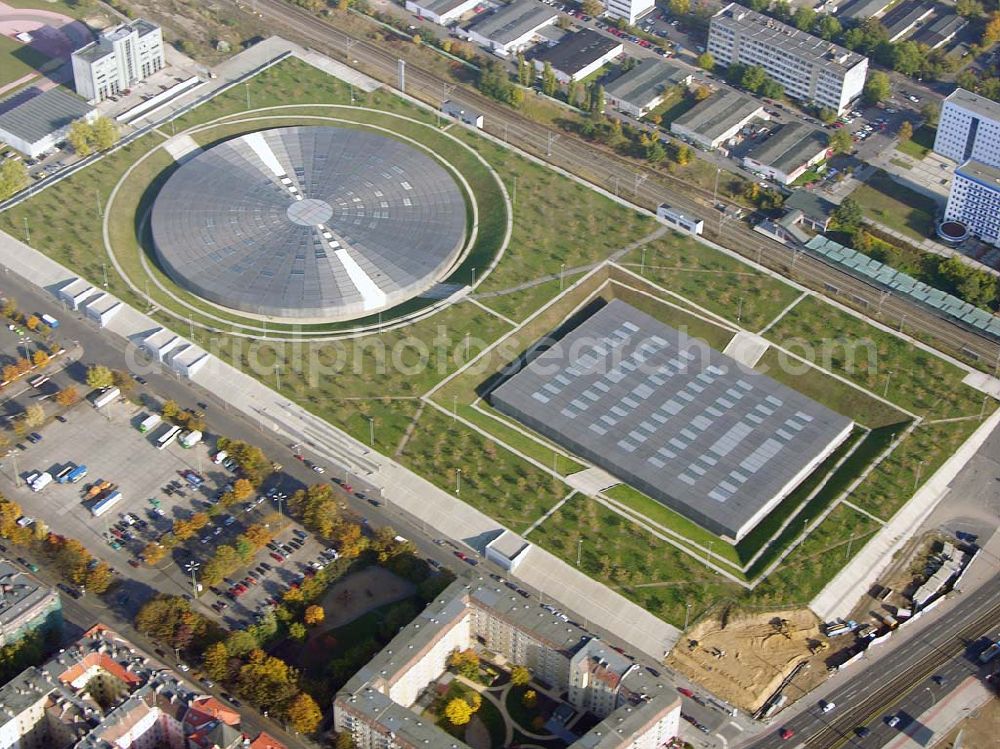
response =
{"points": [[266, 741]]}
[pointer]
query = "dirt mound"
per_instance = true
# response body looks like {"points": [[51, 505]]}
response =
{"points": [[746, 657]]}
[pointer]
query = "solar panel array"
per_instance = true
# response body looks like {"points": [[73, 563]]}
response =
{"points": [[901, 283], [685, 424], [309, 222]]}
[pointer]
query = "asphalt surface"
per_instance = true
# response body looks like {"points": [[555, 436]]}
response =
{"points": [[644, 186]]}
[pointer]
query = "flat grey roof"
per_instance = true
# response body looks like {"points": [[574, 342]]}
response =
{"points": [[577, 51], [904, 15], [974, 103], [34, 118], [786, 38], [790, 147], [862, 9], [683, 423], [983, 173], [20, 592], [440, 7], [309, 222], [102, 46], [939, 30], [811, 204], [646, 81], [510, 22], [718, 113]]}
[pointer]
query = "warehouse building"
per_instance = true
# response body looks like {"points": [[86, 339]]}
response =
{"points": [[644, 87], [26, 605], [685, 424], [788, 152], [714, 121], [578, 55], [33, 122], [511, 28], [905, 17], [940, 31], [811, 69], [442, 12], [860, 10]]}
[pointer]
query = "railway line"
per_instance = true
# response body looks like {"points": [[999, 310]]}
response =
{"points": [[643, 185]]}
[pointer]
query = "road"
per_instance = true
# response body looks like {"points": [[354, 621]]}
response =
{"points": [[644, 186], [902, 674]]}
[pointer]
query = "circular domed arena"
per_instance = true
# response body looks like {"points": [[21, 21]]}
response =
{"points": [[309, 223]]}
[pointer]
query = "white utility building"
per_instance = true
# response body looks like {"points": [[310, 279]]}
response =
{"points": [[629, 10], [442, 12], [120, 58]]}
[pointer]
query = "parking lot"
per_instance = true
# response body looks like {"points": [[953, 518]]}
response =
{"points": [[157, 488]]}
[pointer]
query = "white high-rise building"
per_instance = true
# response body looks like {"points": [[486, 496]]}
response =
{"points": [[811, 69], [975, 200], [969, 128], [630, 10], [120, 58]]}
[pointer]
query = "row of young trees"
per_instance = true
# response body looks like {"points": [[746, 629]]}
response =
{"points": [[88, 137]]}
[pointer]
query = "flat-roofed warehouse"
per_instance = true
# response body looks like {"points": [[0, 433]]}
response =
{"points": [[511, 27], [717, 119], [578, 55], [689, 426], [33, 122], [645, 86], [789, 151]]}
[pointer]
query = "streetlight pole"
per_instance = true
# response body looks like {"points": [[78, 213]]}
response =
{"points": [[277, 375], [687, 615], [885, 390], [562, 272], [579, 552], [458, 481], [371, 430], [192, 567], [916, 478]]}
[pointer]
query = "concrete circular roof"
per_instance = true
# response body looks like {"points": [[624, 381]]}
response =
{"points": [[309, 223]]}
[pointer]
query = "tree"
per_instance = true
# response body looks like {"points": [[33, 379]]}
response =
{"points": [[655, 152], [682, 154], [458, 711], [34, 415], [991, 32], [549, 82], [909, 57], [80, 137], [216, 661], [931, 112], [905, 131], [592, 7], [169, 410], [803, 18], [104, 133], [266, 680], [314, 615], [153, 553], [970, 8], [525, 70], [828, 28], [100, 377], [344, 740], [877, 88], [40, 358], [520, 676], [530, 699], [303, 713], [297, 631], [343, 5], [13, 177], [701, 93], [464, 662], [679, 7], [848, 215], [841, 141], [827, 116], [597, 101], [753, 78], [706, 61], [771, 89], [98, 578]]}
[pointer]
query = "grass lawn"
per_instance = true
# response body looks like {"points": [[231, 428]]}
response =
{"points": [[712, 279], [920, 144], [632, 561], [71, 8], [673, 106], [18, 60], [897, 207]]}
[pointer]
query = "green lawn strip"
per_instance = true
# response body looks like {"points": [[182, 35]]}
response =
{"points": [[631, 560], [920, 144], [872, 445], [686, 529], [835, 394], [811, 565], [537, 448], [712, 279], [391, 417], [557, 222], [673, 106], [898, 207], [519, 305], [920, 382], [293, 81], [521, 715], [64, 221], [494, 480], [491, 717], [71, 8], [891, 486], [18, 60]]}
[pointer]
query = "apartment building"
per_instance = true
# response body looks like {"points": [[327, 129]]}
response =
{"points": [[635, 710], [120, 58], [630, 10], [969, 128], [974, 200], [811, 69], [26, 605], [103, 693]]}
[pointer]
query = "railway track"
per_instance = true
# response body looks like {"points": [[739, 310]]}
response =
{"points": [[643, 185]]}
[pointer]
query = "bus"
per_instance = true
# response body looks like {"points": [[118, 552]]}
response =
{"points": [[167, 438], [106, 503], [105, 397], [149, 422]]}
